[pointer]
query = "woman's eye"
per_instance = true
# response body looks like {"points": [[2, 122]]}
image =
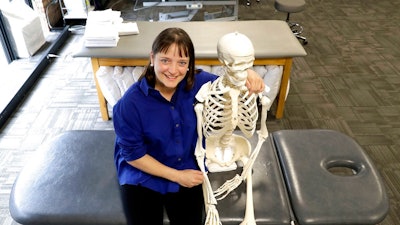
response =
{"points": [[164, 61], [183, 63]]}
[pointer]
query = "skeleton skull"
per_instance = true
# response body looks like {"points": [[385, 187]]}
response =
{"points": [[236, 52]]}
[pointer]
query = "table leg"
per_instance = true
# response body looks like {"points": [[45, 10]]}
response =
{"points": [[283, 89], [102, 99]]}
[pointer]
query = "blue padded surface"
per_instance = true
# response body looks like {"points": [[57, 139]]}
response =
{"points": [[320, 197], [72, 180]]}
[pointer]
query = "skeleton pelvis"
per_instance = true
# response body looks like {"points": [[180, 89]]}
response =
{"points": [[219, 159]]}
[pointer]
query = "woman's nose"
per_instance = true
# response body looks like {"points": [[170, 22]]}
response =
{"points": [[173, 68]]}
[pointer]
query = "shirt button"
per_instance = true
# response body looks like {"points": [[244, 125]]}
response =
{"points": [[172, 108], [177, 125], [179, 159]]}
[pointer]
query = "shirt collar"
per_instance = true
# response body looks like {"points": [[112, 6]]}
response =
{"points": [[144, 86]]}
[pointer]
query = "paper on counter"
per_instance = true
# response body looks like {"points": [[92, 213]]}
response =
{"points": [[127, 28], [103, 28]]}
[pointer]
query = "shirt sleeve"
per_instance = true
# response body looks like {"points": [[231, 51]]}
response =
{"points": [[128, 129]]}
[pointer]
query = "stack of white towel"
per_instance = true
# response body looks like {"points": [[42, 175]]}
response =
{"points": [[103, 28], [114, 81]]}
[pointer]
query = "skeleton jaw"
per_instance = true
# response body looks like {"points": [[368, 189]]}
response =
{"points": [[238, 78]]}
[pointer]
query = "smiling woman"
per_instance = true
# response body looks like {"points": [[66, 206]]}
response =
{"points": [[155, 126], [156, 135]]}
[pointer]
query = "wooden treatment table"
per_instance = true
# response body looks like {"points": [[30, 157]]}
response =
{"points": [[273, 41]]}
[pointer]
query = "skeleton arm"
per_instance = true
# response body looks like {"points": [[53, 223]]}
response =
{"points": [[212, 217], [200, 152], [266, 103]]}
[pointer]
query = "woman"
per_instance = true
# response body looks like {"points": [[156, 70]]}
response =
{"points": [[155, 127]]}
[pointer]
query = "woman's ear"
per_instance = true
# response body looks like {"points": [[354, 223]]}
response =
{"points": [[151, 58]]}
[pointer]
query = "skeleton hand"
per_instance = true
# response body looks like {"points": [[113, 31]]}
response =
{"points": [[228, 187], [212, 217]]}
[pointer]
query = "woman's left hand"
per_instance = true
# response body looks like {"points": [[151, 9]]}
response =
{"points": [[254, 82]]}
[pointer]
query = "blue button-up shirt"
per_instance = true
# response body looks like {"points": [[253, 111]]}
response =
{"points": [[146, 123]]}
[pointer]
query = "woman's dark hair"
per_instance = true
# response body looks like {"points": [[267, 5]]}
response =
{"points": [[162, 42]]}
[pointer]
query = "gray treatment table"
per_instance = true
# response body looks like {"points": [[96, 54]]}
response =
{"points": [[72, 181], [273, 41]]}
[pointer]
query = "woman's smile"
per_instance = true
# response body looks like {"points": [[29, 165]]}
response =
{"points": [[171, 77]]}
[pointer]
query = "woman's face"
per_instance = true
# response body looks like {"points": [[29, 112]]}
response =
{"points": [[169, 67]]}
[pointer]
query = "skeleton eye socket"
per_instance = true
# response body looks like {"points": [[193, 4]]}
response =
{"points": [[238, 66]]}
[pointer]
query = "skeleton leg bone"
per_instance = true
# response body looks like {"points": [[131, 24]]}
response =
{"points": [[249, 218]]}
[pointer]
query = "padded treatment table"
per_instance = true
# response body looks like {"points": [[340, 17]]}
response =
{"points": [[72, 180], [319, 196], [274, 44]]}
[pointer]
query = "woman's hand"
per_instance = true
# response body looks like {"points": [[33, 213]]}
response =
{"points": [[189, 178], [254, 82]]}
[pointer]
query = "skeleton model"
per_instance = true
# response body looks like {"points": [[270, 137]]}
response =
{"points": [[223, 106]]}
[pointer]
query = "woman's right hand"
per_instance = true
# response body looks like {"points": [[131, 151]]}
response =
{"points": [[189, 178], [186, 178]]}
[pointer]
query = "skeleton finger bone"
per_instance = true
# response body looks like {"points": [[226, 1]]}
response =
{"points": [[212, 217], [228, 187]]}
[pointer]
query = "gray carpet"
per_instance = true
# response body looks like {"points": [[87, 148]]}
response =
{"points": [[349, 81]]}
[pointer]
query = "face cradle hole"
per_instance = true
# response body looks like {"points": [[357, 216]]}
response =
{"points": [[343, 168], [342, 171]]}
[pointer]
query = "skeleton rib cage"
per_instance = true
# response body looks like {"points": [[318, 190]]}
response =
{"points": [[218, 112]]}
